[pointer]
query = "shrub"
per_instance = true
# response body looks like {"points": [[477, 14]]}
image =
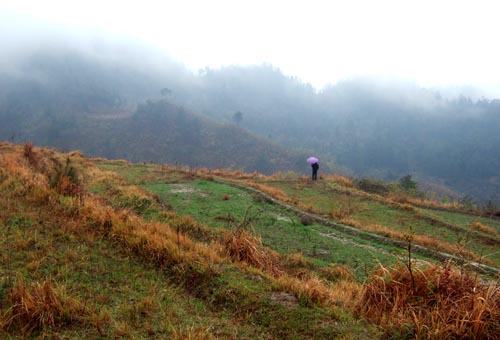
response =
{"points": [[407, 183], [306, 220], [372, 186], [29, 154], [437, 302], [65, 180]]}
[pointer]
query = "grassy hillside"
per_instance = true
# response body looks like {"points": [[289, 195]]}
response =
{"points": [[97, 249], [156, 131]]}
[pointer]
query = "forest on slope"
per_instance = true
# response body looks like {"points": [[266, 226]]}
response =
{"points": [[96, 100]]}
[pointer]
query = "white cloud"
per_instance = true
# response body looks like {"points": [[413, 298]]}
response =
{"points": [[434, 42]]}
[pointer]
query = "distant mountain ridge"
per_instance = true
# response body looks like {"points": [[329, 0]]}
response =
{"points": [[60, 97]]}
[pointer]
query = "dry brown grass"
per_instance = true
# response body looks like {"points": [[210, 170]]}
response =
{"points": [[29, 154], [39, 306], [274, 192], [339, 179], [341, 213], [428, 203], [337, 273], [165, 245], [233, 174], [156, 242], [241, 246], [442, 303], [296, 260], [476, 225], [423, 240], [313, 289], [191, 333]]}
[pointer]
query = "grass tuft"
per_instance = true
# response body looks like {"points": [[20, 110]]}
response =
{"points": [[40, 306], [243, 247], [476, 225], [439, 302]]}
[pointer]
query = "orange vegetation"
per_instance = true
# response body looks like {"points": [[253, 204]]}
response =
{"points": [[39, 306], [434, 302]]}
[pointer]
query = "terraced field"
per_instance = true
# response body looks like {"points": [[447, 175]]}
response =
{"points": [[222, 202], [97, 249]]}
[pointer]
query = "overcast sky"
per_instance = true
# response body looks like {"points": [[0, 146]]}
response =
{"points": [[437, 42]]}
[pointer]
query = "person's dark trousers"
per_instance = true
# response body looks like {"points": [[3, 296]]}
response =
{"points": [[315, 175]]}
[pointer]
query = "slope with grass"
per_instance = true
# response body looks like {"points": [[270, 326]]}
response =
{"points": [[110, 249], [87, 255], [473, 239]]}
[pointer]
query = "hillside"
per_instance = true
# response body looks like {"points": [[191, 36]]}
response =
{"points": [[160, 132], [373, 128], [95, 248], [66, 96], [109, 106]]}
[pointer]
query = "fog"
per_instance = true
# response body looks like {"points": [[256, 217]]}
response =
{"points": [[58, 77], [436, 45]]}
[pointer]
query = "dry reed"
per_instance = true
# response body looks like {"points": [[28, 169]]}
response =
{"points": [[39, 306], [483, 228], [434, 302], [241, 246]]}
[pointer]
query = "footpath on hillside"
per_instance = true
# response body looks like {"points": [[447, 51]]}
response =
{"points": [[378, 239]]}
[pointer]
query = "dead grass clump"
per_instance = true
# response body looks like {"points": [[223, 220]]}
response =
{"points": [[483, 228], [429, 203], [191, 333], [239, 174], [315, 290], [241, 246], [76, 154], [423, 240], [274, 192], [65, 180], [336, 273], [341, 213], [373, 186], [438, 302], [398, 198], [341, 180], [192, 228], [407, 207], [297, 265], [296, 260], [29, 154], [40, 306]]}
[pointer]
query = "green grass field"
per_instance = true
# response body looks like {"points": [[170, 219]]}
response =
{"points": [[144, 257], [416, 221], [98, 284]]}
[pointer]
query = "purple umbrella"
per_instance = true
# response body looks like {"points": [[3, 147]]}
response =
{"points": [[312, 160]]}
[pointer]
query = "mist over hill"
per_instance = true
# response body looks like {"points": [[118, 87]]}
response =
{"points": [[107, 100], [76, 101]]}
